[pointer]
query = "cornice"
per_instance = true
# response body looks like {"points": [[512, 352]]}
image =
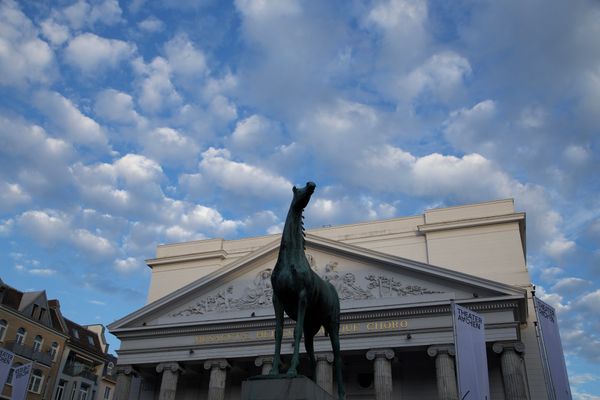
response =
{"points": [[468, 223], [155, 262]]}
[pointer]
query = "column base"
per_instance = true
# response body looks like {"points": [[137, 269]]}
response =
{"points": [[265, 387]]}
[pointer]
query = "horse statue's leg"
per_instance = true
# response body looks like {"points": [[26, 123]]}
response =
{"points": [[310, 350], [334, 336], [278, 334], [293, 370]]}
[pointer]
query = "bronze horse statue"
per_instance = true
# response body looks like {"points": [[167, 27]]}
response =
{"points": [[305, 297]]}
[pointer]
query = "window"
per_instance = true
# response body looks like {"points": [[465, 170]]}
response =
{"points": [[106, 393], [54, 350], [109, 368], [60, 390], [11, 372], [90, 340], [3, 328], [35, 382], [42, 313], [75, 333], [21, 333], [74, 391], [83, 392], [37, 343], [34, 310]]}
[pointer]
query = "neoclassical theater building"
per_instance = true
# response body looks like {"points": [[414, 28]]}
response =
{"points": [[208, 323]]}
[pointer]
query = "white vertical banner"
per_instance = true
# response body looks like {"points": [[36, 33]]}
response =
{"points": [[471, 357], [6, 359], [20, 381], [552, 347]]}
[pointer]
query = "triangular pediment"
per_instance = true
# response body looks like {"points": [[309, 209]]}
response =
{"points": [[364, 280]]}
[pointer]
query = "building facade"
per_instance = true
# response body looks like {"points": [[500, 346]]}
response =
{"points": [[208, 324], [68, 359]]}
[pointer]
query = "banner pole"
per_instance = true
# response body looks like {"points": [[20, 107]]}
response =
{"points": [[452, 311], [542, 348]]}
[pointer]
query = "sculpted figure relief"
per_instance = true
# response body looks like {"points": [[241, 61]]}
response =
{"points": [[300, 293]]}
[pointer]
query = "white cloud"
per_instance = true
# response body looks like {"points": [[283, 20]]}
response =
{"points": [[136, 169], [42, 271], [468, 129], [170, 147], [128, 264], [571, 286], [157, 92], [116, 106], [24, 58], [185, 60], [76, 127], [576, 155], [240, 178], [92, 53], [47, 227], [442, 75], [262, 9], [327, 211], [223, 108], [83, 13], [397, 14], [97, 302], [151, 24], [91, 244], [55, 32], [255, 135], [12, 195]]}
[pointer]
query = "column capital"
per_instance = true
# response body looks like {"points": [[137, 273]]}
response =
{"points": [[324, 356], [380, 353], [219, 363], [262, 360], [169, 366], [126, 370], [499, 347], [433, 351]]}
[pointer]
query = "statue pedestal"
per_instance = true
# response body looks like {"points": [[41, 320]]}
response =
{"points": [[264, 387]]}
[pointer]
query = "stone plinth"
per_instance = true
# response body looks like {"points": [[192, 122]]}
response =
{"points": [[282, 388]]}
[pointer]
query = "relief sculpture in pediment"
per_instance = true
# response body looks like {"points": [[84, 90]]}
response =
{"points": [[259, 293]]}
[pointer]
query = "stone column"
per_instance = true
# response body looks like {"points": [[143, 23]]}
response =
{"points": [[124, 375], [513, 370], [218, 376], [444, 371], [266, 362], [324, 371], [382, 368], [168, 385]]}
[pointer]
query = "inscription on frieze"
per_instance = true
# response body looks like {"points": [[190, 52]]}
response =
{"points": [[288, 333], [259, 293]]}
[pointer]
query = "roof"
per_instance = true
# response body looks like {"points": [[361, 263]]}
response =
{"points": [[83, 338]]}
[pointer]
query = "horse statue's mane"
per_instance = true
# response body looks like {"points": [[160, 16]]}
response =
{"points": [[300, 293]]}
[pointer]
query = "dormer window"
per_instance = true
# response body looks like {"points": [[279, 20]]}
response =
{"points": [[90, 340], [75, 333], [3, 329], [34, 310]]}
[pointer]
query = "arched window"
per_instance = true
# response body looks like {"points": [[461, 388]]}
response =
{"points": [[109, 368], [3, 328], [54, 350], [37, 343], [21, 333], [35, 382], [11, 372]]}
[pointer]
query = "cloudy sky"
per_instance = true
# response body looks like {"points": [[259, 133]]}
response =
{"points": [[127, 124]]}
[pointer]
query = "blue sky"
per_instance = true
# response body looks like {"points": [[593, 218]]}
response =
{"points": [[127, 124]]}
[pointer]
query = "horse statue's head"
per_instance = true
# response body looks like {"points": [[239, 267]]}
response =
{"points": [[302, 196]]}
